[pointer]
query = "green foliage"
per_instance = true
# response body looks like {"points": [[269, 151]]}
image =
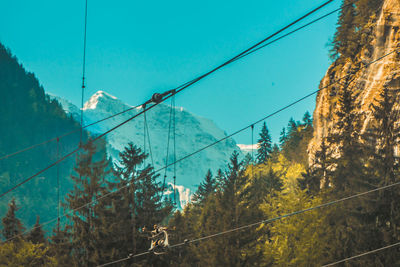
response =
{"points": [[23, 253], [295, 138], [29, 116], [264, 145], [12, 226], [36, 235], [382, 138], [354, 28], [300, 240], [206, 188], [317, 175], [88, 226]]}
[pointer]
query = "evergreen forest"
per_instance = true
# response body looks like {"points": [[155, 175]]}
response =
{"points": [[275, 207]]}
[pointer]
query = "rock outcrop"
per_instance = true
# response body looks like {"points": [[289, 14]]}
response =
{"points": [[383, 31]]}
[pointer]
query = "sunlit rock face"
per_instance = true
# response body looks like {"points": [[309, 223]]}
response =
{"points": [[369, 80]]}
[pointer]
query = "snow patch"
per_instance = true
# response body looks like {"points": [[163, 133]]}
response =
{"points": [[192, 133], [248, 148]]}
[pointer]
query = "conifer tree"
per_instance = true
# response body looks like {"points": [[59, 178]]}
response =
{"points": [[345, 41], [87, 227], [295, 140], [283, 137], [292, 127], [60, 245], [129, 175], [272, 182], [12, 226], [349, 165], [383, 137], [138, 203], [353, 221], [265, 145], [275, 153], [226, 210], [307, 119], [317, 175], [36, 236], [206, 188]]}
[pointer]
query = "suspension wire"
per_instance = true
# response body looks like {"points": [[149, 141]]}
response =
{"points": [[174, 140], [268, 221], [148, 138], [281, 109], [58, 187], [242, 54], [362, 254], [252, 151], [83, 72], [183, 87], [168, 139], [187, 156], [74, 151], [297, 29], [66, 134], [144, 138], [191, 81]]}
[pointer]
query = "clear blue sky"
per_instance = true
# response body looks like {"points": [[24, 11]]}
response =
{"points": [[136, 48]]}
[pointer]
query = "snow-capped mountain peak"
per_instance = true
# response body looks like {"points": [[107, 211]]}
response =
{"points": [[192, 133], [102, 100]]}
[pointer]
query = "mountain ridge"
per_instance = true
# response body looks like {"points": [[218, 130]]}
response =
{"points": [[192, 133]]}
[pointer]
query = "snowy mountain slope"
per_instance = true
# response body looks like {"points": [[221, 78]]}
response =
{"points": [[192, 133], [248, 149]]}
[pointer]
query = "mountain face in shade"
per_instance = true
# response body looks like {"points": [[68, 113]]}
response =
{"points": [[192, 133], [29, 117]]}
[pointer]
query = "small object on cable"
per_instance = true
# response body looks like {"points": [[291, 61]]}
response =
{"points": [[156, 98], [186, 241], [159, 239]]}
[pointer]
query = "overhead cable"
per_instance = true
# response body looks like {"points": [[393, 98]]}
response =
{"points": [[83, 71], [189, 82], [267, 221], [268, 116], [159, 98], [362, 254]]}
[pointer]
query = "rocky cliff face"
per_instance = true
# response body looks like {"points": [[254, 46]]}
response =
{"points": [[369, 80]]}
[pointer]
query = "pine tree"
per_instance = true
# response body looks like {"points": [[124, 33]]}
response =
{"points": [[90, 175], [317, 175], [349, 165], [36, 236], [12, 226], [353, 221], [282, 138], [61, 246], [273, 182], [307, 119], [206, 188], [297, 138], [383, 137], [265, 145], [226, 210], [129, 176], [292, 127], [275, 153], [137, 204], [345, 41]]}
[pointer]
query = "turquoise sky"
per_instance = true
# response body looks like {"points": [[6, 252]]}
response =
{"points": [[136, 48]]}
